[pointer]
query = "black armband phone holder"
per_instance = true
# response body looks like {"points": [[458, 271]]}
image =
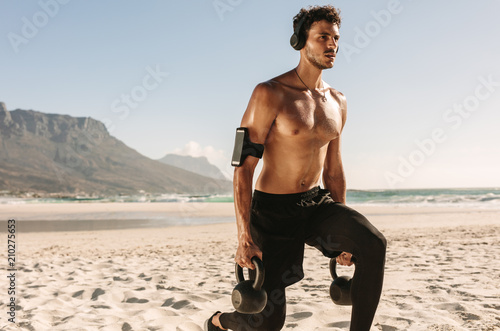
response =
{"points": [[244, 147]]}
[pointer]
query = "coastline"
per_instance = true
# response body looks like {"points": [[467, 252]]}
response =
{"points": [[212, 213]]}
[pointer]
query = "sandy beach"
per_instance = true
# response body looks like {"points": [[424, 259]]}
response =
{"points": [[442, 270]]}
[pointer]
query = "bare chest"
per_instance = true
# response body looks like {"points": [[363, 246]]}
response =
{"points": [[310, 118]]}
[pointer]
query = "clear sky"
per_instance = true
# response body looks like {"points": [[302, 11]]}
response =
{"points": [[422, 78]]}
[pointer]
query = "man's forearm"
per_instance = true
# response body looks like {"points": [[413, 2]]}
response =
{"points": [[242, 185], [337, 187], [242, 204]]}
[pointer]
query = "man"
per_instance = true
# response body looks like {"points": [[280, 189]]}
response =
{"points": [[298, 119]]}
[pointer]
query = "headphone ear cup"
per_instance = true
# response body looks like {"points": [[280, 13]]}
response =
{"points": [[294, 41], [297, 42], [301, 43]]}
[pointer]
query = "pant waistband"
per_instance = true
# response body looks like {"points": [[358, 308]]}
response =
{"points": [[292, 197]]}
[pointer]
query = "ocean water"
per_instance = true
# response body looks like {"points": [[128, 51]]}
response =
{"points": [[453, 197], [482, 198], [463, 197]]}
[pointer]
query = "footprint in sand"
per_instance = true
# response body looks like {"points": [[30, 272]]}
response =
{"points": [[469, 316], [142, 275], [78, 294], [126, 327], [176, 305], [341, 325], [180, 304], [496, 307], [168, 302], [451, 306], [301, 315], [97, 293], [100, 307], [136, 300]]}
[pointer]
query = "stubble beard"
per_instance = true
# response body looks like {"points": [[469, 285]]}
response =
{"points": [[315, 61]]}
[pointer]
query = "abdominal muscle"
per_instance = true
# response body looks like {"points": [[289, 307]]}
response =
{"points": [[289, 170]]}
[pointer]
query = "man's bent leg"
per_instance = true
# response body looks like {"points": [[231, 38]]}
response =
{"points": [[339, 228], [272, 318]]}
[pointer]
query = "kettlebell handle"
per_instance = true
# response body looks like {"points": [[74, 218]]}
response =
{"points": [[259, 278], [333, 265]]}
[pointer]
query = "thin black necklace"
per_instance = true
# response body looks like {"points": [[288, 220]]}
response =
{"points": [[323, 97]]}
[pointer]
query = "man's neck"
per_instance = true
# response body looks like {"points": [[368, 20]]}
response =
{"points": [[310, 75]]}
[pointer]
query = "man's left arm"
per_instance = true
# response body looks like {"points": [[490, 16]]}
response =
{"points": [[334, 177], [333, 171]]}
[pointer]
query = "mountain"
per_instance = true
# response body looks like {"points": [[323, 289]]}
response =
{"points": [[52, 153], [198, 165]]}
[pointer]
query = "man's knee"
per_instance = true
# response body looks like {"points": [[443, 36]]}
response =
{"points": [[378, 247], [377, 237], [375, 243], [383, 241], [383, 244]]}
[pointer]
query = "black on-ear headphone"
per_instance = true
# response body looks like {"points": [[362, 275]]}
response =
{"points": [[296, 40]]}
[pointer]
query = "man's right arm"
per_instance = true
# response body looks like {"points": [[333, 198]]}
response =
{"points": [[258, 118]]}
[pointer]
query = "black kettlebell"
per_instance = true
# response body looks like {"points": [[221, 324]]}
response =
{"points": [[248, 296], [340, 290]]}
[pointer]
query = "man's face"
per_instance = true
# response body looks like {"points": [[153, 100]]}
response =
{"points": [[322, 43]]}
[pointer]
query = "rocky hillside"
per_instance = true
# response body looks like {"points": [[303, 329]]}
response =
{"points": [[198, 165], [51, 153]]}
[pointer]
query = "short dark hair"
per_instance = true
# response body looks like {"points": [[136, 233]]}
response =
{"points": [[314, 14]]}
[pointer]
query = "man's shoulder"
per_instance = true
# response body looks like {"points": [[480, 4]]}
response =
{"points": [[285, 79], [270, 89], [267, 86], [334, 92], [274, 86]]}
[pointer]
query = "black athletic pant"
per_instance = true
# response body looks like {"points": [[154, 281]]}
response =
{"points": [[281, 224]]}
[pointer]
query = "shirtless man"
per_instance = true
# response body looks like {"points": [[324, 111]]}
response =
{"points": [[299, 119]]}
